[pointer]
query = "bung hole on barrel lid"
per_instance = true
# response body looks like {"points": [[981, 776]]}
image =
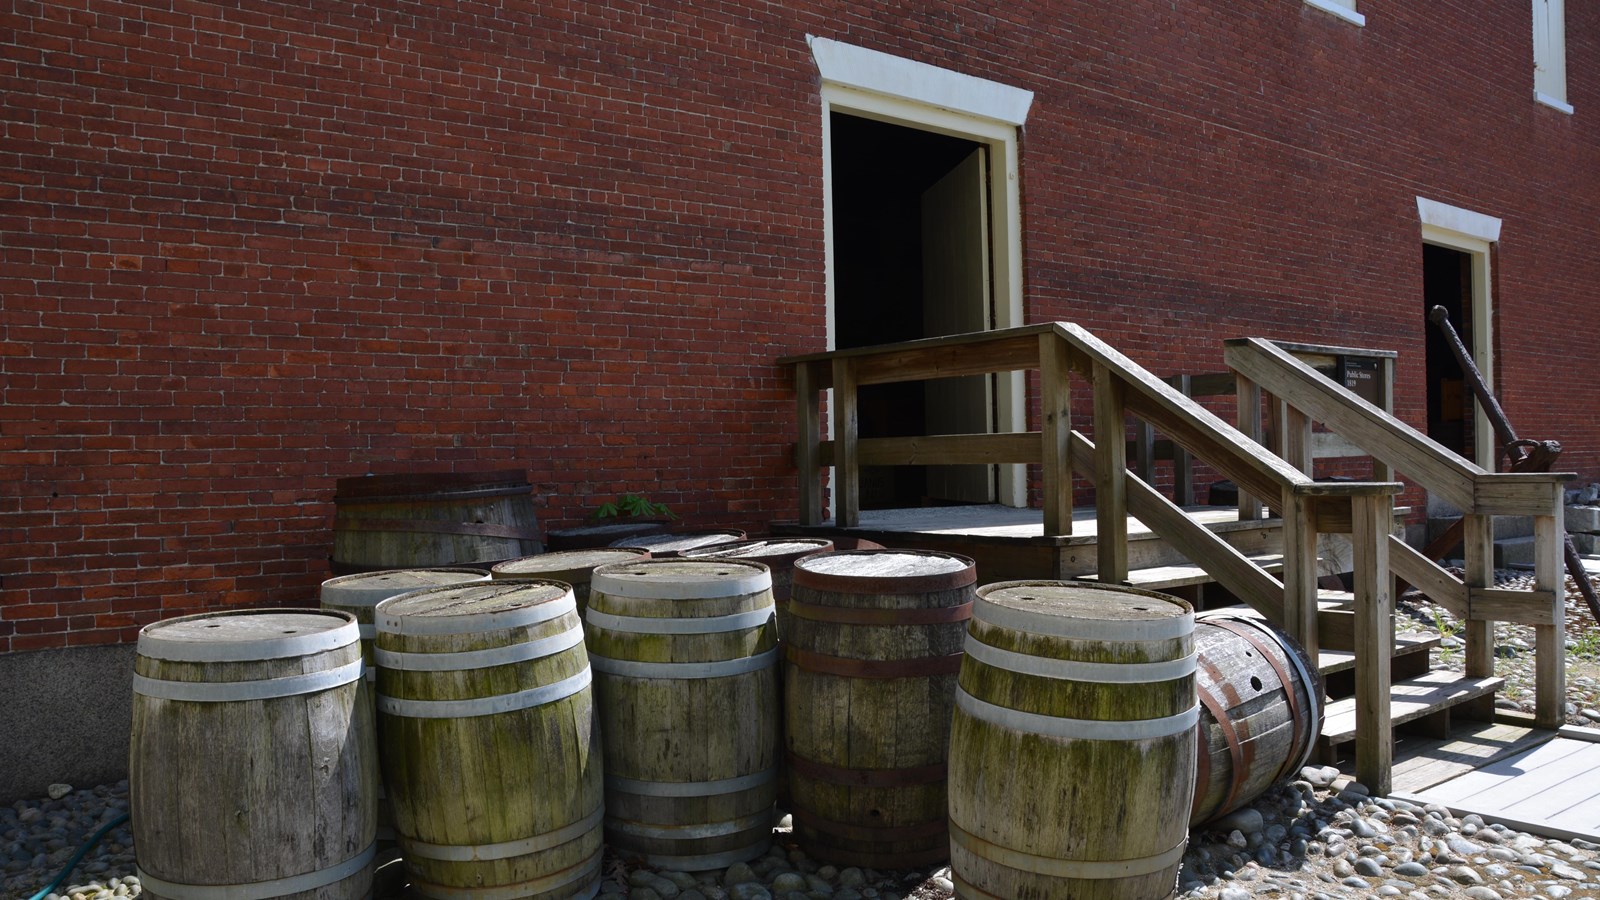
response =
{"points": [[1255, 682]]}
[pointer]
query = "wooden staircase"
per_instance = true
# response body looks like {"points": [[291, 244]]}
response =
{"points": [[1383, 688]]}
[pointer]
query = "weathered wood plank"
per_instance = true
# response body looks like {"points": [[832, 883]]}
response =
{"points": [[1248, 416], [1554, 783], [939, 449], [1374, 603], [1111, 475], [1188, 423], [1522, 607], [1422, 763], [1019, 335], [1055, 432], [1550, 646], [806, 458], [1422, 573], [1183, 460], [1385, 437], [1478, 656], [1409, 699], [1520, 494], [1300, 570], [1231, 568], [846, 433]]}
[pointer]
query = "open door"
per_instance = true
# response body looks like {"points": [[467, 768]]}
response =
{"points": [[955, 300]]}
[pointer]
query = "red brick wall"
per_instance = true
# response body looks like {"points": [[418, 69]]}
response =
{"points": [[243, 254]]}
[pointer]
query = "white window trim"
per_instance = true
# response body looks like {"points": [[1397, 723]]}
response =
{"points": [[1472, 233], [1345, 11], [901, 91]]}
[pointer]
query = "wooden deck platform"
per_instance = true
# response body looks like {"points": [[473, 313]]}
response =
{"points": [[1009, 543], [1542, 782]]}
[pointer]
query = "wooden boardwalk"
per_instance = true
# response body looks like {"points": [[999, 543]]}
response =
{"points": [[1552, 789]]}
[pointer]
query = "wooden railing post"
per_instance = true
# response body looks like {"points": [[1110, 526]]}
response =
{"points": [[1182, 460], [1371, 516], [1478, 559], [1300, 569], [846, 453], [1110, 485], [1248, 417], [1382, 471], [1055, 432], [806, 457], [1550, 643]]}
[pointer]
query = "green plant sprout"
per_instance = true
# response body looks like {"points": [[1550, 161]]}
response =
{"points": [[632, 506]]}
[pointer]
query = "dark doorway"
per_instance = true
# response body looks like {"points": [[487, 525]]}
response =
{"points": [[887, 182], [1447, 282]]}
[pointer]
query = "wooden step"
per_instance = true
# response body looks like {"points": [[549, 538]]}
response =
{"points": [[1160, 578], [1411, 699], [1330, 662]]}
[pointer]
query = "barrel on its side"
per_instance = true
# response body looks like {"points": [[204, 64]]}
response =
{"points": [[261, 710], [575, 567], [490, 751], [1260, 710], [667, 546], [432, 519], [873, 649], [685, 658], [1072, 746]]}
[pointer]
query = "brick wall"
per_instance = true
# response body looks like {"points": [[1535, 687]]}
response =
{"points": [[245, 253]]}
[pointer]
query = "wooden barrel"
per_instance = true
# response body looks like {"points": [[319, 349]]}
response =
{"points": [[1260, 710], [575, 567], [685, 656], [872, 651], [252, 768], [1072, 745], [432, 519], [610, 532], [667, 546], [358, 595], [777, 554], [490, 752]]}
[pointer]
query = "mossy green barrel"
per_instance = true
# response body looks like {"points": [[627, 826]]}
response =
{"points": [[252, 767], [685, 659], [1072, 746], [489, 744], [359, 595], [575, 567], [872, 651]]}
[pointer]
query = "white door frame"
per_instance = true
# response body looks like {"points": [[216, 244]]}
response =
{"points": [[899, 91], [1473, 234]]}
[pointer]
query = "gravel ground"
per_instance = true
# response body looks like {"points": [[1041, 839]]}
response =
{"points": [[1317, 837]]}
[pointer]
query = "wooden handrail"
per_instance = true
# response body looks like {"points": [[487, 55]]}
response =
{"points": [[1479, 493], [1379, 433]]}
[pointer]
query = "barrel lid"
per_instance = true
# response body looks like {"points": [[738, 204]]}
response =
{"points": [[1084, 609], [885, 571], [662, 544], [574, 563], [467, 608], [682, 579], [370, 588], [250, 634], [768, 549], [374, 488]]}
